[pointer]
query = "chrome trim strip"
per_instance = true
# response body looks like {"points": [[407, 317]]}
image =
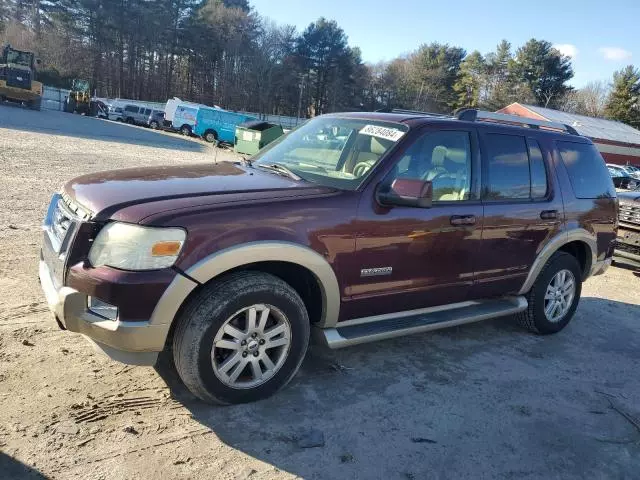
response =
{"points": [[552, 247], [331, 336], [406, 313]]}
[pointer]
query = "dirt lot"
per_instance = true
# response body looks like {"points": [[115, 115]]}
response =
{"points": [[481, 401]]}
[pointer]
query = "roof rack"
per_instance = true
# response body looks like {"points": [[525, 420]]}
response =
{"points": [[475, 115], [412, 112]]}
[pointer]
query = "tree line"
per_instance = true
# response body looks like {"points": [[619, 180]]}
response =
{"points": [[222, 52]]}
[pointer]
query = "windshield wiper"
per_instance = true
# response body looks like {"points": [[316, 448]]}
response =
{"points": [[280, 170], [317, 167]]}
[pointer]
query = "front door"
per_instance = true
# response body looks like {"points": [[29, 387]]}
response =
{"points": [[410, 258], [523, 209]]}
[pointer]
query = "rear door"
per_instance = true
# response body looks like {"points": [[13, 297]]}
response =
{"points": [[523, 208], [228, 126]]}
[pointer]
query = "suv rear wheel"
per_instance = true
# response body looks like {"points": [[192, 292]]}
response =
{"points": [[185, 130], [241, 339], [554, 297]]}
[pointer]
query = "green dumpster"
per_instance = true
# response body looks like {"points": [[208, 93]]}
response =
{"points": [[251, 136]]}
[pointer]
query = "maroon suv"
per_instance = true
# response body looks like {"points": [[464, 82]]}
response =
{"points": [[354, 227]]}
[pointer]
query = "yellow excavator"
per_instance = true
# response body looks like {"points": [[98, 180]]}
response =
{"points": [[79, 99], [17, 77]]}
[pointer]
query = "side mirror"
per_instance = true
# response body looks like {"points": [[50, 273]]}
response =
{"points": [[407, 192]]}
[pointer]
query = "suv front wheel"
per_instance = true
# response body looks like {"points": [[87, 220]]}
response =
{"points": [[241, 339], [554, 297]]}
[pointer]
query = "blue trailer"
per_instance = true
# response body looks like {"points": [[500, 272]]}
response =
{"points": [[218, 125]]}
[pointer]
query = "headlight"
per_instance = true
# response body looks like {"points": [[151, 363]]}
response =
{"points": [[132, 247]]}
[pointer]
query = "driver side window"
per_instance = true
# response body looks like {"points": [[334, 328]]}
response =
{"points": [[443, 158]]}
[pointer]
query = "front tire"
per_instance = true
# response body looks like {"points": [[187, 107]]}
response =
{"points": [[241, 339], [554, 297]]}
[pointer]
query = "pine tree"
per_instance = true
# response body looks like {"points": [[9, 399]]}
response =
{"points": [[545, 70], [499, 79], [433, 71], [622, 104], [471, 84]]}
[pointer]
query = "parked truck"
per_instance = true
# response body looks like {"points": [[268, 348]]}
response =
{"points": [[17, 78]]}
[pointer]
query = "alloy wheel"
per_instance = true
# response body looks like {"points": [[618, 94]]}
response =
{"points": [[559, 295], [251, 346]]}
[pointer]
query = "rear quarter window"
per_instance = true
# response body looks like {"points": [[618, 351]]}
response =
{"points": [[588, 174]]}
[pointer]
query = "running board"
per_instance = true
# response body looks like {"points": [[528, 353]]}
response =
{"points": [[381, 327]]}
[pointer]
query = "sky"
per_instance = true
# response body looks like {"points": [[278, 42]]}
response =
{"points": [[601, 36]]}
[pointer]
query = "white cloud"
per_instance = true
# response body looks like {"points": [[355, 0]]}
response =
{"points": [[616, 54], [567, 49]]}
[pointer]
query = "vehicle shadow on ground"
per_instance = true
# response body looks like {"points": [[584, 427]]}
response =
{"points": [[10, 468], [393, 409], [71, 125]]}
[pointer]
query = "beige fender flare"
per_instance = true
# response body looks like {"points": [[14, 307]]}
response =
{"points": [[222, 261], [562, 238]]}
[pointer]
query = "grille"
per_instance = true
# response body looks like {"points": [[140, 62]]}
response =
{"points": [[63, 217], [629, 214], [61, 221]]}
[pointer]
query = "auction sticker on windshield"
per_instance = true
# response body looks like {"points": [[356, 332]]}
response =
{"points": [[387, 133]]}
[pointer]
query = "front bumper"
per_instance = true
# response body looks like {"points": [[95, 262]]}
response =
{"points": [[136, 343]]}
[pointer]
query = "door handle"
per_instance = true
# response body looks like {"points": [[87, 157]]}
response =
{"points": [[549, 214], [459, 220]]}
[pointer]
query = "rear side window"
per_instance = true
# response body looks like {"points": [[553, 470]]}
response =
{"points": [[507, 168], [538, 170], [587, 172], [147, 111]]}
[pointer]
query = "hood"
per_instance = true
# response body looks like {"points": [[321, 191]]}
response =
{"points": [[629, 197], [105, 193]]}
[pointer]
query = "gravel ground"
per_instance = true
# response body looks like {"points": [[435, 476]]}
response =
{"points": [[480, 401]]}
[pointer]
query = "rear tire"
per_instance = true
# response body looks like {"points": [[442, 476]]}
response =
{"points": [[185, 130], [251, 306], [210, 136], [552, 303]]}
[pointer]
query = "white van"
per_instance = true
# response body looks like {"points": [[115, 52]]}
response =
{"points": [[173, 104]]}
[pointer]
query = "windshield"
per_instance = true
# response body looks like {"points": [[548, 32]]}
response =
{"points": [[21, 58], [81, 85], [337, 152]]}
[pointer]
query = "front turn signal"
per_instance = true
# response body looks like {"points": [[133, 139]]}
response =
{"points": [[166, 249]]}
